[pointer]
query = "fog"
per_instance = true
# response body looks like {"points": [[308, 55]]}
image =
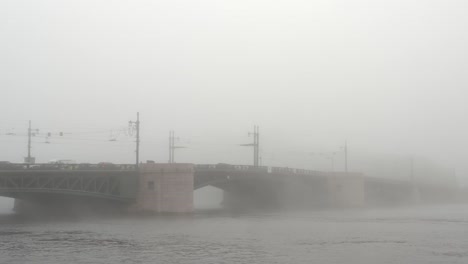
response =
{"points": [[386, 79], [388, 76]]}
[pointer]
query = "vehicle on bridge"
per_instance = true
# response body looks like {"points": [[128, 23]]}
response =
{"points": [[107, 165], [62, 161]]}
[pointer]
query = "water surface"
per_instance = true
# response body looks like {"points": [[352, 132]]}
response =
{"points": [[431, 234]]}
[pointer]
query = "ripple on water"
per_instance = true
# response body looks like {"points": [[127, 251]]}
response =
{"points": [[323, 243]]}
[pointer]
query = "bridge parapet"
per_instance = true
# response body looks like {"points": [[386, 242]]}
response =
{"points": [[105, 184], [228, 167], [266, 169], [59, 166]]}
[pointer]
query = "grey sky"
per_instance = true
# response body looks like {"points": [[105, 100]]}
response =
{"points": [[389, 76]]}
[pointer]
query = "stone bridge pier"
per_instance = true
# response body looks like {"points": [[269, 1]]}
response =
{"points": [[164, 188]]}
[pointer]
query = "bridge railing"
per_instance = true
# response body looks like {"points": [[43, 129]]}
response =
{"points": [[267, 169], [230, 167], [54, 166], [130, 167]]}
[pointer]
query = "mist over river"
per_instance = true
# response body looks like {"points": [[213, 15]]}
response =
{"points": [[428, 234]]}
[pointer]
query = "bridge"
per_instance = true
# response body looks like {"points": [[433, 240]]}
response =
{"points": [[169, 187], [300, 188]]}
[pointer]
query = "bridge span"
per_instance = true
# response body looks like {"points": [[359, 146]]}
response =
{"points": [[169, 187]]}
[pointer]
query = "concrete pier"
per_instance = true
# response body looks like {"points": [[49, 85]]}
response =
{"points": [[164, 188]]}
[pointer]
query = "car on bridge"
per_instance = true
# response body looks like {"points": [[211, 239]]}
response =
{"points": [[62, 161], [107, 165]]}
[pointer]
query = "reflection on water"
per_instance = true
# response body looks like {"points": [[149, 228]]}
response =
{"points": [[406, 235]]}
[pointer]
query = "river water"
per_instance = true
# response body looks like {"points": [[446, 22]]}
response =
{"points": [[430, 234]]}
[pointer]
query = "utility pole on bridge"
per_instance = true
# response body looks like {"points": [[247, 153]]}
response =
{"points": [[346, 155], [172, 146], [136, 125], [255, 144], [30, 160]]}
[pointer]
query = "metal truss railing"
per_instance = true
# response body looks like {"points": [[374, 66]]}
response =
{"points": [[103, 185], [266, 169]]}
